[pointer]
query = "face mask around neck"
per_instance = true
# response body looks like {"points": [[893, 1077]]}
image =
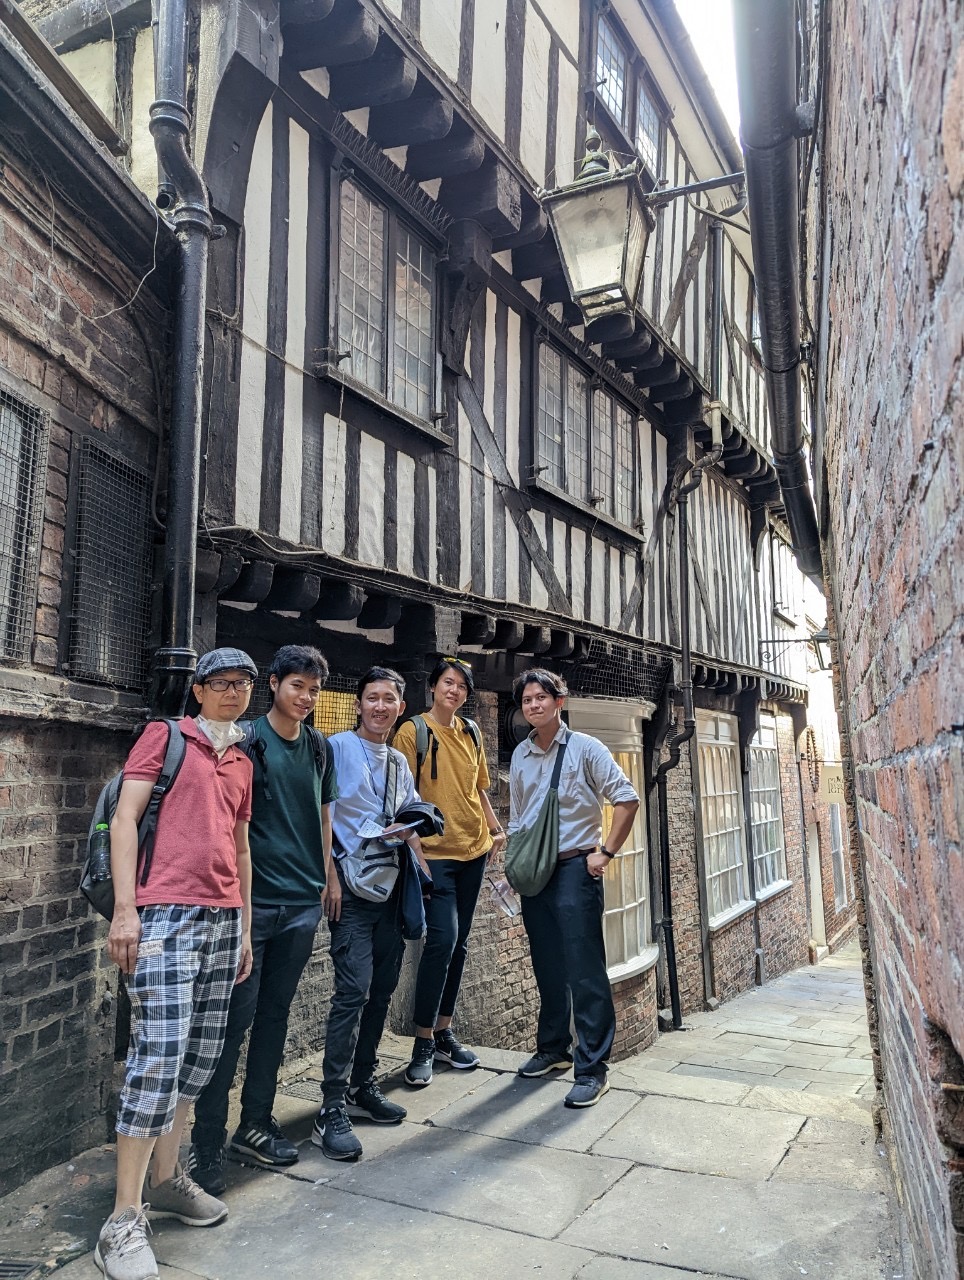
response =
{"points": [[220, 733]]}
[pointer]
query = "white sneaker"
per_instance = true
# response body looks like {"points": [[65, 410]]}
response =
{"points": [[122, 1251]]}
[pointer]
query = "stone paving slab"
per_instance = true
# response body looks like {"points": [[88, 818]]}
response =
{"points": [[806, 1102], [801, 1058], [738, 1062], [756, 1231], [636, 1075], [719, 1073], [620, 1269], [512, 1185], [532, 1111], [702, 1137], [838, 1153], [785, 1031]]}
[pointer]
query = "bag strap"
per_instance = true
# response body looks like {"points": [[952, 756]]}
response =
{"points": [[319, 747], [391, 784], [474, 732], [255, 747], [557, 766], [173, 759], [421, 745]]}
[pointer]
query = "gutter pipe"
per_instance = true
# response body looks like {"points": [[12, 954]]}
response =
{"points": [[183, 198], [686, 480], [771, 124]]}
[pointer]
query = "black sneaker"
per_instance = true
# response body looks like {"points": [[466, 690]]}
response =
{"points": [[205, 1164], [369, 1101], [265, 1143], [333, 1133], [456, 1055], [587, 1091], [418, 1073], [540, 1064]]}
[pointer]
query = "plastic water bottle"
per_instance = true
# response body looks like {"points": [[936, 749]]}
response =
{"points": [[505, 898], [100, 852]]}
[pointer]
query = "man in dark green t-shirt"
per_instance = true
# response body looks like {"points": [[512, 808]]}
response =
{"points": [[290, 837]]}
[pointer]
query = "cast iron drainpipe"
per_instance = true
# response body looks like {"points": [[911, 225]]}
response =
{"points": [[184, 197], [683, 490]]}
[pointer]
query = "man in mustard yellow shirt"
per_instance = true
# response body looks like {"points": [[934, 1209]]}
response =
{"points": [[451, 772]]}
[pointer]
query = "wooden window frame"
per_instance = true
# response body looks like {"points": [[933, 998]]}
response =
{"points": [[637, 76]]}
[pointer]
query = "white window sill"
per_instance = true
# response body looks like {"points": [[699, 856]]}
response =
{"points": [[733, 913], [632, 968], [771, 891]]}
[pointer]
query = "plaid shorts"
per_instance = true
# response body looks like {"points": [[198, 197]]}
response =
{"points": [[180, 990]]}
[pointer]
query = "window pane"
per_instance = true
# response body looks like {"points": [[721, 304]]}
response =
{"points": [[414, 280], [361, 285], [766, 808], [842, 883], [602, 452], [577, 435], [611, 71], [550, 415], [647, 131], [723, 848], [625, 478]]}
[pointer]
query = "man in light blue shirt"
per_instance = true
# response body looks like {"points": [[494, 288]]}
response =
{"points": [[564, 920]]}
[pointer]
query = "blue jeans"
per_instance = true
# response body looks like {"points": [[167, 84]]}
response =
{"points": [[282, 939], [366, 953], [448, 918], [564, 924]]}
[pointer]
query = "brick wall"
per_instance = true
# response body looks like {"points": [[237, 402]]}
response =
{"points": [[71, 347], [892, 174], [684, 882]]}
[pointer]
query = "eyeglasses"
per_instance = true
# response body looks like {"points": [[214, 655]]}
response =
{"points": [[222, 686], [459, 662]]}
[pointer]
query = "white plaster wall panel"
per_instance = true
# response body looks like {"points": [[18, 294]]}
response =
{"points": [[371, 500], [567, 143], [292, 453], [393, 6], [333, 486], [488, 64], [493, 511], [563, 17], [535, 96], [539, 594], [93, 65], [439, 32], [432, 534], [578, 573], [143, 154], [511, 561], [257, 236], [464, 447], [404, 537], [513, 393], [599, 568], [559, 549], [615, 572], [488, 395]]}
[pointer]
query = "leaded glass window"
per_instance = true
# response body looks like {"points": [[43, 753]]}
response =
{"points": [[766, 808], [721, 801]]}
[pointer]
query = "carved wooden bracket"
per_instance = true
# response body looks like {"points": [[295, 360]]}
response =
{"points": [[467, 274]]}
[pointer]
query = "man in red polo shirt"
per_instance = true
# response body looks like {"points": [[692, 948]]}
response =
{"points": [[183, 939]]}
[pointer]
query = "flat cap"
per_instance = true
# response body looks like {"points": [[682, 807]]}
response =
{"points": [[226, 659]]}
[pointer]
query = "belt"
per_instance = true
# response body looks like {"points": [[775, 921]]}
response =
{"points": [[567, 854]]}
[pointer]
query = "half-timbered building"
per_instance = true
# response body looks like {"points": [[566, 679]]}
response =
{"points": [[413, 446]]}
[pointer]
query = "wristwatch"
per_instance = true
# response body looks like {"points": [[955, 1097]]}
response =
{"points": [[496, 831], [606, 853]]}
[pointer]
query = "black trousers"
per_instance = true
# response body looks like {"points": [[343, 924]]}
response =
{"points": [[282, 939], [448, 918], [366, 952], [564, 924]]}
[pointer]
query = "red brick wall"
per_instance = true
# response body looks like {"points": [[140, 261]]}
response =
{"points": [[892, 173]]}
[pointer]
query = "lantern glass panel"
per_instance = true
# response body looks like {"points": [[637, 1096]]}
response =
{"points": [[590, 227]]}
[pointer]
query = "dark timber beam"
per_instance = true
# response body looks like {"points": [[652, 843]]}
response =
{"points": [[207, 570], [293, 591], [508, 635], [348, 34], [467, 273], [424, 116], [338, 602], [536, 640], [628, 350], [680, 390], [609, 329], [531, 229], [426, 629], [253, 584], [228, 573], [387, 76], [658, 376], [537, 260], [477, 628], [461, 151], [491, 197], [303, 12], [562, 646], [380, 613]]}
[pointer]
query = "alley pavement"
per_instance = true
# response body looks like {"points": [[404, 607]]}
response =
{"points": [[740, 1147]]}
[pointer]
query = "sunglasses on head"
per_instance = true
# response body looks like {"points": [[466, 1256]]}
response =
{"points": [[459, 662]]}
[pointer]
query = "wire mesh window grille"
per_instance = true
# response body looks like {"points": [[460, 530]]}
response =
{"points": [[724, 847], [586, 439], [843, 889], [24, 435], [766, 807], [611, 67], [110, 614], [787, 581], [386, 302]]}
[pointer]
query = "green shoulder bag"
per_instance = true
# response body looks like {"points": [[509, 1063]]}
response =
{"points": [[532, 852]]}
